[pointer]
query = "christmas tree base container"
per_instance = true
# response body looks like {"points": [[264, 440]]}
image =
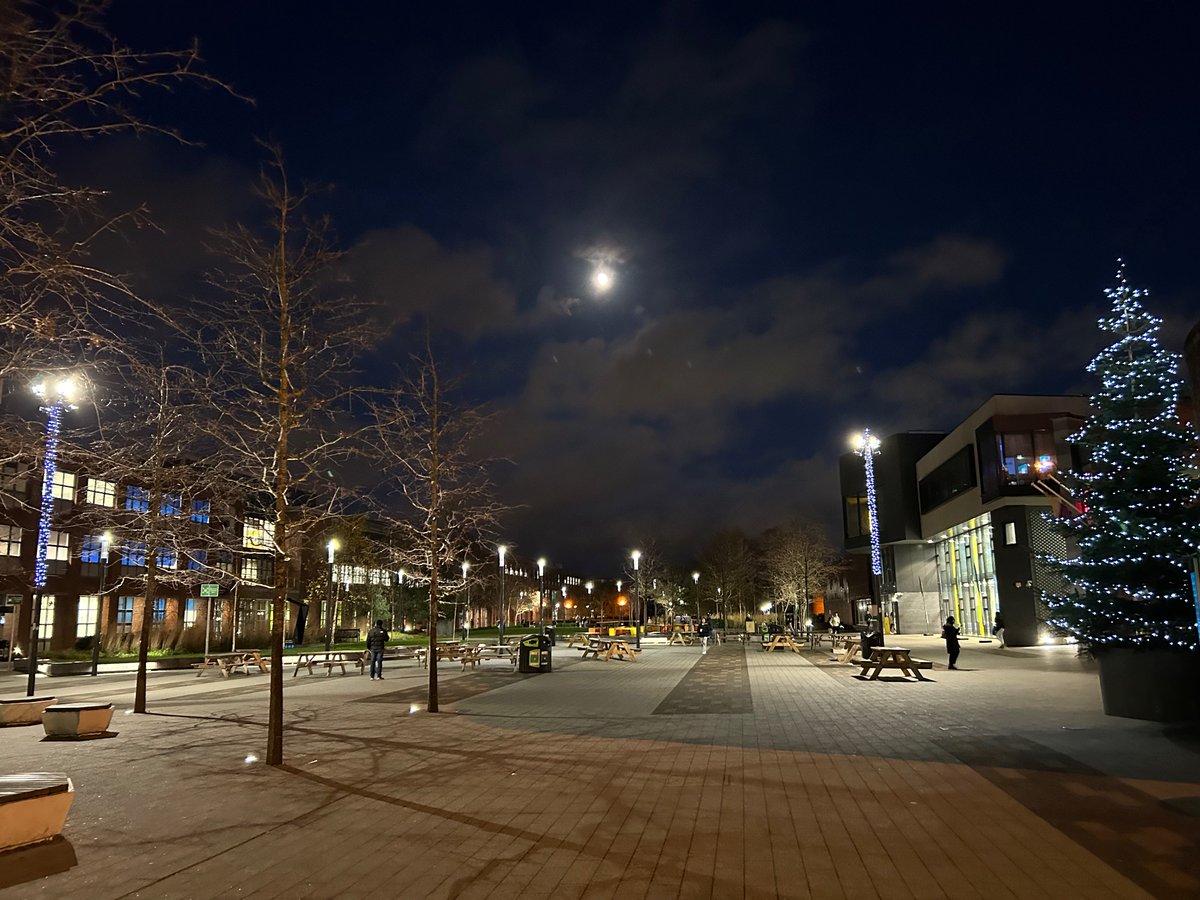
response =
{"points": [[1159, 685]]}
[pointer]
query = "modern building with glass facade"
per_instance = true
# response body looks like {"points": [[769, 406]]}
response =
{"points": [[982, 521]]}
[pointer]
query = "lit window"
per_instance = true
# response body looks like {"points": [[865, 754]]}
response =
{"points": [[89, 610], [189, 612], [201, 510], [225, 562], [10, 540], [63, 485], [137, 499], [1010, 533], [159, 610], [91, 549], [259, 534], [13, 480], [125, 614], [57, 546], [101, 493], [167, 558], [252, 569], [46, 622], [197, 559], [133, 553], [172, 505]]}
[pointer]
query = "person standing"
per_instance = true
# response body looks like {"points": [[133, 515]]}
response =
{"points": [[835, 623], [377, 639], [950, 635], [705, 632], [998, 629]]}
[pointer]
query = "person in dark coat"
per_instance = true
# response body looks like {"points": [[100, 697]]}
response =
{"points": [[377, 639], [998, 629], [704, 632], [950, 636]]}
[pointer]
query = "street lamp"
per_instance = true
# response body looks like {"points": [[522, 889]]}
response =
{"points": [[98, 635], [866, 445], [400, 576], [466, 602], [696, 582], [330, 548], [56, 395], [503, 606], [541, 564], [637, 575]]}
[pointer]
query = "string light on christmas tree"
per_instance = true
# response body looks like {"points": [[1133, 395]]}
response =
{"points": [[1141, 524]]}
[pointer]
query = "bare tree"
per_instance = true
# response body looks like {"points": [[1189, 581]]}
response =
{"points": [[282, 344], [797, 562], [436, 491], [63, 78], [727, 567]]}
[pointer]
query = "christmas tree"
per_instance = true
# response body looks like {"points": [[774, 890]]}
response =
{"points": [[1139, 521]]}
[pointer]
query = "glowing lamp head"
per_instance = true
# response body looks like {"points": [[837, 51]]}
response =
{"points": [[541, 566], [589, 586], [402, 574], [636, 556], [332, 548], [466, 565], [695, 578], [502, 550], [621, 601]]}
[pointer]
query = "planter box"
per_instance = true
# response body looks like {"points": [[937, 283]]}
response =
{"points": [[1159, 685]]}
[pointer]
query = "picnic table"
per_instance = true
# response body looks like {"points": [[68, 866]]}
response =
{"points": [[232, 662], [893, 658], [680, 637], [786, 641], [330, 658], [607, 648]]}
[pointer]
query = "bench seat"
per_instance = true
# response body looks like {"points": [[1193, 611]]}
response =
{"points": [[77, 719], [23, 710], [33, 807]]}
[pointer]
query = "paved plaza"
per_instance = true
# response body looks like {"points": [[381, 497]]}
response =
{"points": [[732, 774]]}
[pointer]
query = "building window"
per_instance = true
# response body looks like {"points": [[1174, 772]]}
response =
{"points": [[13, 480], [258, 534], [858, 517], [101, 493], [46, 622], [172, 505], [63, 485], [1023, 454], [197, 560], [200, 511], [953, 477], [137, 499], [159, 610], [89, 612], [1010, 534], [91, 549], [58, 547], [225, 562], [256, 569], [133, 553], [189, 612], [167, 558], [10, 540], [124, 614]]}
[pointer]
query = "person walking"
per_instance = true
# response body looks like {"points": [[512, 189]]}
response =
{"points": [[377, 639], [998, 629], [835, 623], [705, 632], [950, 635]]}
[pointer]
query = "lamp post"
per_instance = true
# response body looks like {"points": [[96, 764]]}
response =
{"points": [[589, 585], [55, 396], [98, 634], [541, 564], [866, 445], [331, 548], [696, 582], [637, 587], [400, 576], [466, 601], [503, 610]]}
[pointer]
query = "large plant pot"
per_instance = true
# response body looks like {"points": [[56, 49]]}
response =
{"points": [[1160, 685]]}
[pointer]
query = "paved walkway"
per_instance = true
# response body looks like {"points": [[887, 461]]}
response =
{"points": [[734, 774]]}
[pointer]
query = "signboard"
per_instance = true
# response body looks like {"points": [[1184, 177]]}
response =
{"points": [[210, 590]]}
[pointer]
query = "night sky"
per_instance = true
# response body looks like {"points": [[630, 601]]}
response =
{"points": [[821, 216]]}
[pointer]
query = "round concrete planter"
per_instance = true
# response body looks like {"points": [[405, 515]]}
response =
{"points": [[1159, 685]]}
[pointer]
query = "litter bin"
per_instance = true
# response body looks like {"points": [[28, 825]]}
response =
{"points": [[549, 632], [533, 654], [869, 639]]}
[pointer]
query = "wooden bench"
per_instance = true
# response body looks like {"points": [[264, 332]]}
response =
{"points": [[71, 720], [33, 807], [23, 710]]}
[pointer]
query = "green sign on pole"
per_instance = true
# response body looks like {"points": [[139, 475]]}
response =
{"points": [[210, 590]]}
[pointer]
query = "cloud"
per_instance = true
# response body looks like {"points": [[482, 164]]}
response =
{"points": [[413, 275]]}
